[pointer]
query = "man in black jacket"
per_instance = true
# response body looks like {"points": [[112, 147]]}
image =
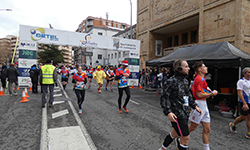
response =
{"points": [[4, 76], [34, 72], [175, 101], [12, 74]]}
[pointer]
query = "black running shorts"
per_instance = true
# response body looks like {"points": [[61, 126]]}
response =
{"points": [[64, 80], [242, 112], [183, 123]]}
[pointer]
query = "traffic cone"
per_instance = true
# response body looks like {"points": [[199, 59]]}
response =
{"points": [[140, 87], [1, 91], [30, 89], [132, 87], [17, 88], [24, 98], [26, 92]]}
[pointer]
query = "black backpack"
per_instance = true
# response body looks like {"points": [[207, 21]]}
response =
{"points": [[32, 74]]}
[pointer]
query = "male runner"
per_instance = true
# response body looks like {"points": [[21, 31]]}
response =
{"points": [[243, 91], [65, 76], [90, 71], [110, 77], [200, 92], [175, 101]]}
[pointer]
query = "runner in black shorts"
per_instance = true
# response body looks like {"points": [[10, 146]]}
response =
{"points": [[176, 107], [110, 77], [243, 91], [65, 76], [90, 72]]}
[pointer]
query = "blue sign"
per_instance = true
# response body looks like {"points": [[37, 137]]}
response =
{"points": [[28, 54], [134, 75], [24, 72]]}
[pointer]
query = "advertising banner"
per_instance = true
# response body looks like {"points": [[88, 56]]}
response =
{"points": [[24, 81], [26, 63], [28, 54], [133, 68], [24, 72], [133, 82], [28, 45]]}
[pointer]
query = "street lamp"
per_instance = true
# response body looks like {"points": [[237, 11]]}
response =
{"points": [[130, 20], [5, 9]]}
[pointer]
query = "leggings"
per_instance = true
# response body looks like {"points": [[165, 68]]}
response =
{"points": [[80, 97], [127, 91]]}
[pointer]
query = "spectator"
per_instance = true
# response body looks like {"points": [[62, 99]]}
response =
{"points": [[12, 74]]}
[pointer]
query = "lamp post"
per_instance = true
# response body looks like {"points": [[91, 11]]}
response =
{"points": [[130, 20]]}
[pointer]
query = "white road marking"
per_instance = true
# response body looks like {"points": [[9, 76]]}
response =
{"points": [[57, 90], [58, 102], [70, 138], [60, 113], [44, 127], [57, 95], [134, 102]]}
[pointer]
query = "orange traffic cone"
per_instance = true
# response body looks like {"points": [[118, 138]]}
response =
{"points": [[26, 92], [140, 87], [132, 87], [24, 98], [17, 88], [30, 89], [1, 91]]}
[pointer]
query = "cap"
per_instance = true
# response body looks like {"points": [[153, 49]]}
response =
{"points": [[125, 62]]}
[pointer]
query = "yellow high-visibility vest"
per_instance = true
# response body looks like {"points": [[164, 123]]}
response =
{"points": [[47, 74]]}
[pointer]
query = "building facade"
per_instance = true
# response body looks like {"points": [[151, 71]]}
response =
{"points": [[164, 26], [7, 46]]}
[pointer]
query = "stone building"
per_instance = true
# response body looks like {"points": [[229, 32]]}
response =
{"points": [[165, 25]]}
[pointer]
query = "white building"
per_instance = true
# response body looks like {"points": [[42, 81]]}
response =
{"points": [[104, 57]]}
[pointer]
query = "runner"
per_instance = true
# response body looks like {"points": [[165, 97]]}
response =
{"points": [[122, 75], [110, 77], [175, 101], [99, 75], [200, 92], [79, 79], [243, 91], [90, 71], [65, 76]]}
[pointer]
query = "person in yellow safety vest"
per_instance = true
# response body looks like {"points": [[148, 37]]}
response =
{"points": [[47, 79]]}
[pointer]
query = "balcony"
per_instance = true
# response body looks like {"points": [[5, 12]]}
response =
{"points": [[90, 23]]}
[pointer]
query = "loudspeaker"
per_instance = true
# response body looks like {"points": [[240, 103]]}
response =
{"points": [[179, 67]]}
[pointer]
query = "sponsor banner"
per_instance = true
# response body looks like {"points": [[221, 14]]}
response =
{"points": [[59, 37], [26, 63], [133, 61], [134, 75], [133, 68], [133, 54], [133, 82], [28, 45], [24, 72], [24, 81], [28, 54], [43, 35]]}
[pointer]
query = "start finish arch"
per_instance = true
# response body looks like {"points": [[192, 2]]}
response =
{"points": [[29, 36]]}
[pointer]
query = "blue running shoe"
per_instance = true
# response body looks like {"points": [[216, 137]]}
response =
{"points": [[80, 111]]}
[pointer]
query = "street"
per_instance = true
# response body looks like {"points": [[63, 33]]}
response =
{"points": [[143, 128]]}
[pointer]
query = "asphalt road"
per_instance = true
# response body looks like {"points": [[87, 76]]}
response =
{"points": [[143, 128]]}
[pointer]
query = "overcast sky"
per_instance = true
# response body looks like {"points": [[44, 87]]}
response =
{"points": [[63, 15]]}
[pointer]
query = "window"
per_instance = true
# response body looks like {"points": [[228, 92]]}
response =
{"points": [[124, 26], [169, 40], [108, 56], [111, 56], [124, 54], [115, 55], [114, 24], [184, 37], [99, 56], [194, 36], [104, 23], [119, 55], [99, 33], [109, 23], [119, 26], [176, 40]]}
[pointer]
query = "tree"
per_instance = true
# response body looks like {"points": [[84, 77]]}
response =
{"points": [[50, 52]]}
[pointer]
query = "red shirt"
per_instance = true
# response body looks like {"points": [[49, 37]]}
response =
{"points": [[79, 77], [200, 85]]}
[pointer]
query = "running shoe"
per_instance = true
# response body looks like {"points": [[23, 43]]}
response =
{"points": [[15, 94], [80, 111], [99, 91], [177, 142], [106, 89], [162, 148], [247, 136], [125, 109], [232, 128], [89, 86], [111, 90], [51, 105], [120, 111]]}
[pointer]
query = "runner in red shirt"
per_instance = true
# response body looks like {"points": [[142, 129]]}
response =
{"points": [[201, 91], [65, 76], [90, 71]]}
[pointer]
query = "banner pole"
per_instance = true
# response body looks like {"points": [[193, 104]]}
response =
{"points": [[15, 48]]}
